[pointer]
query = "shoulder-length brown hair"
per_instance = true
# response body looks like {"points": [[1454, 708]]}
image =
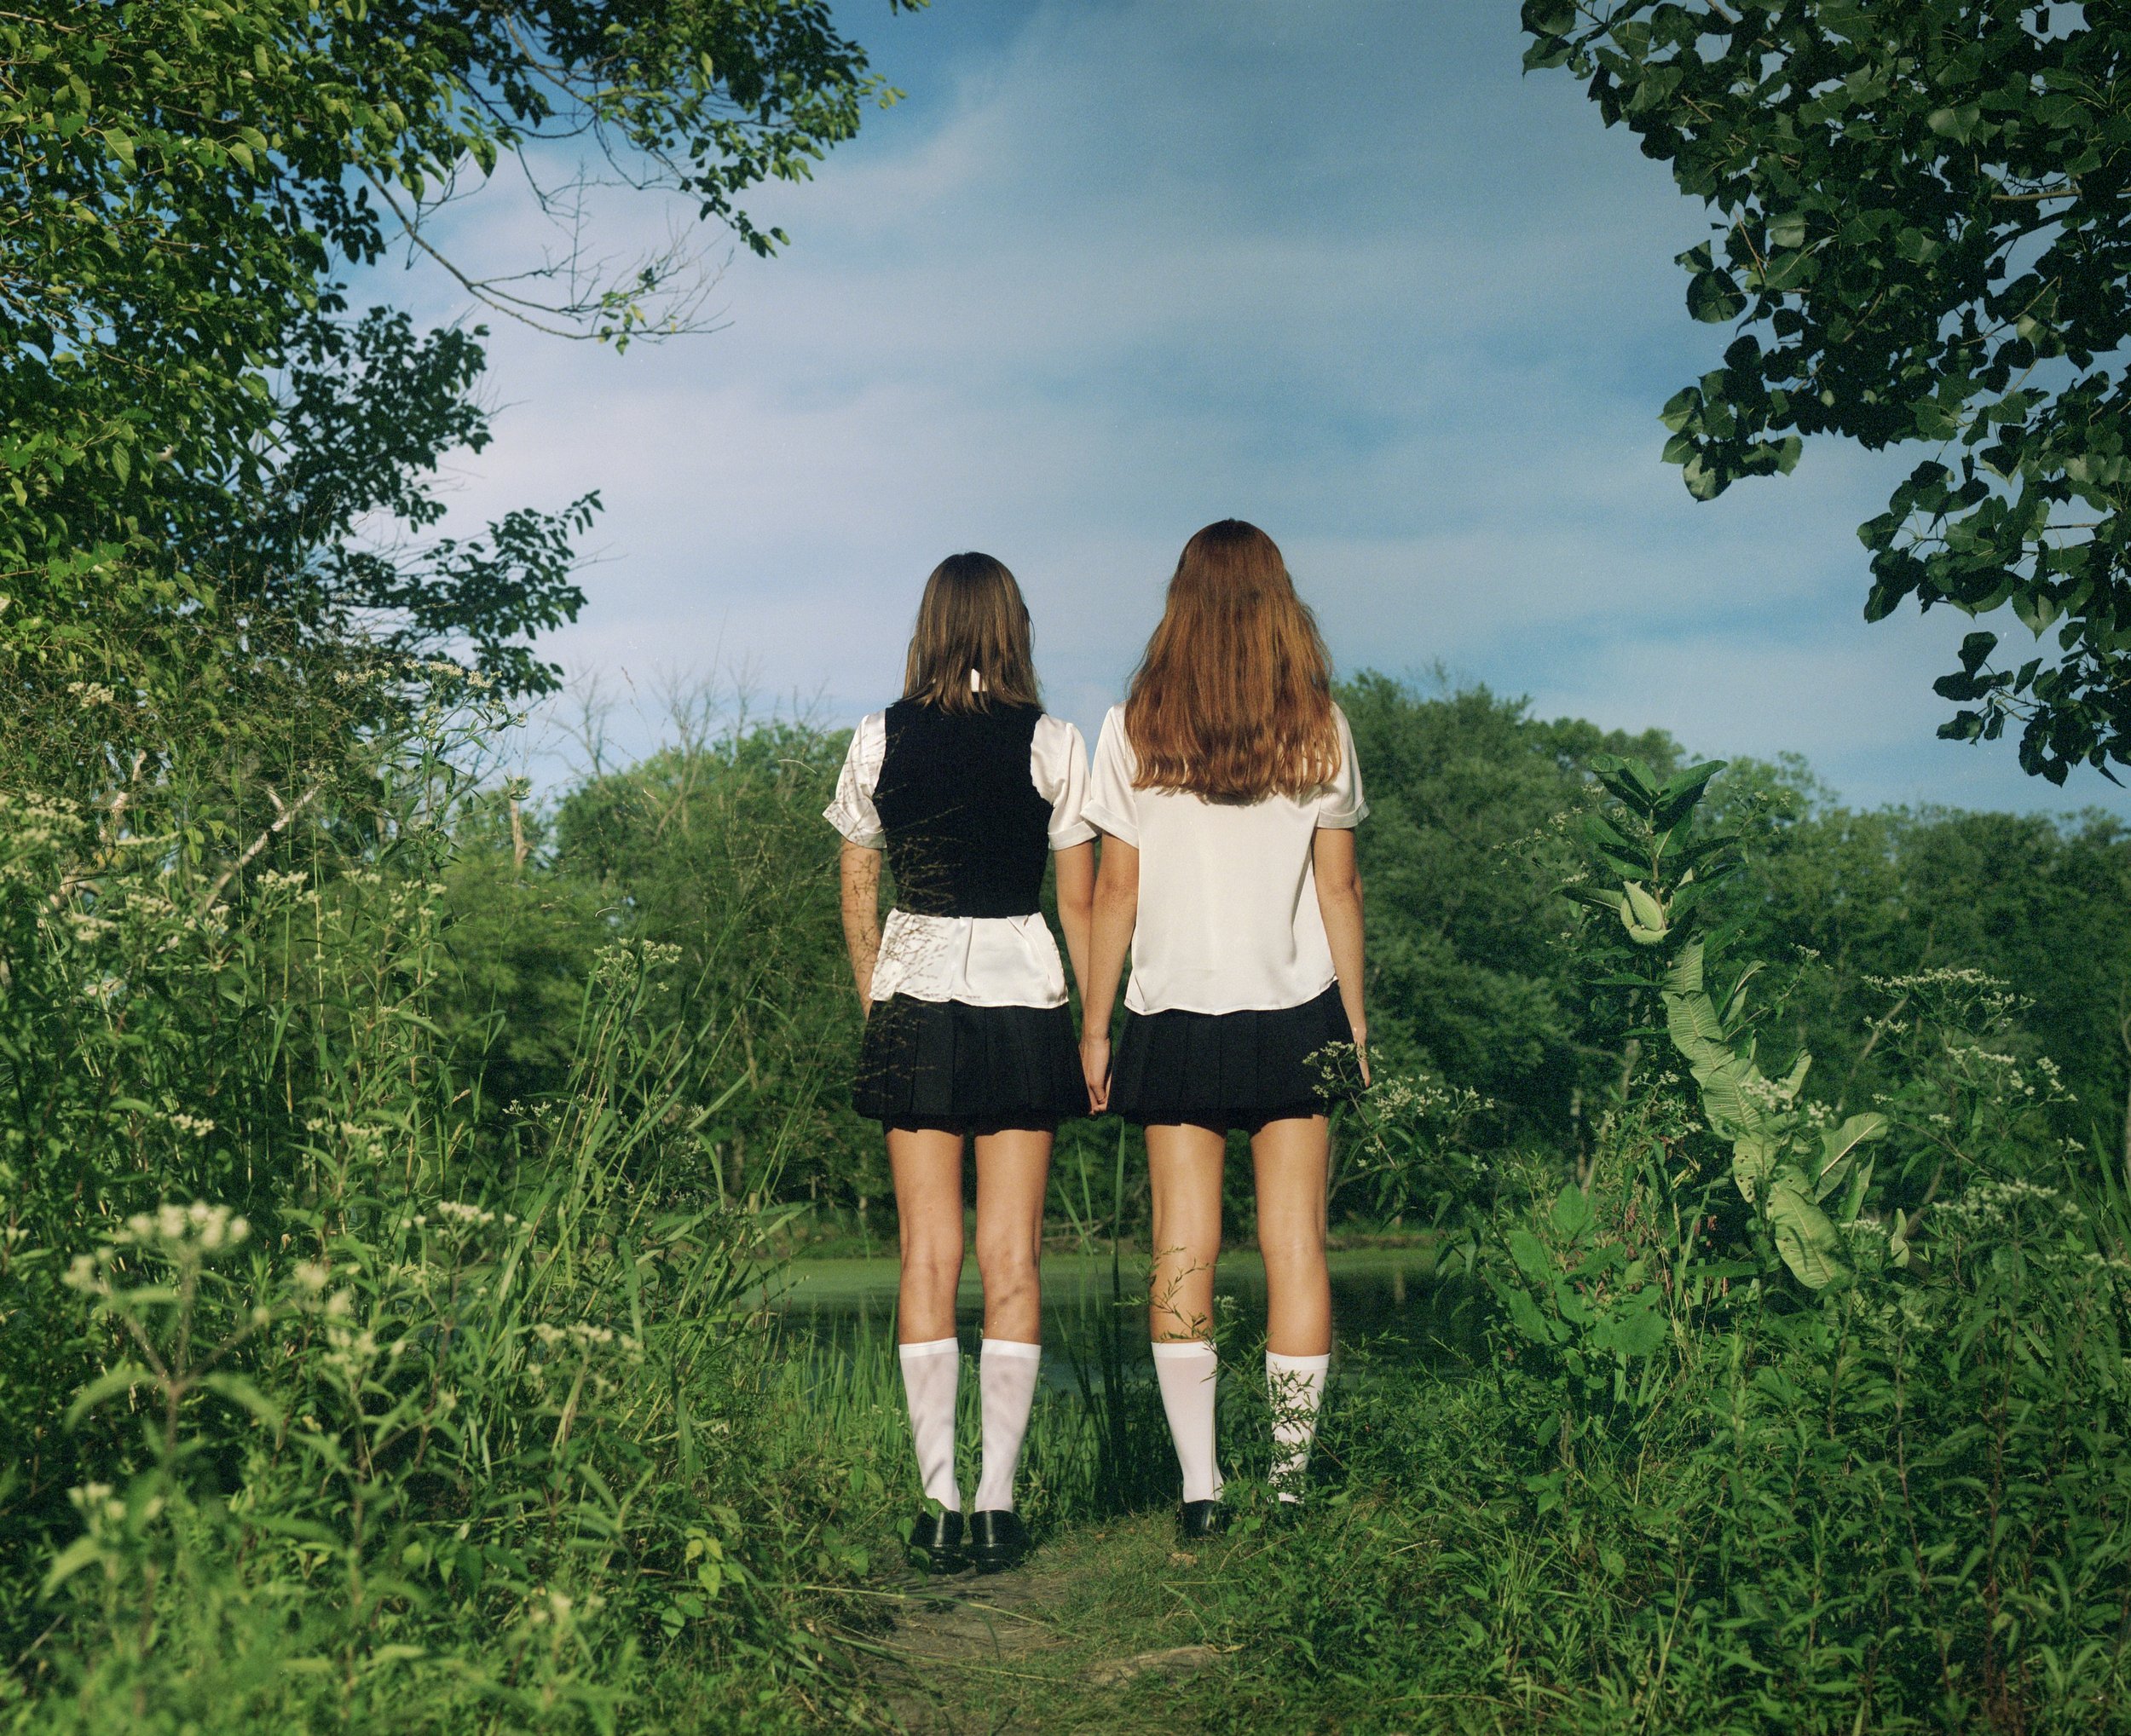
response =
{"points": [[1232, 700], [971, 617]]}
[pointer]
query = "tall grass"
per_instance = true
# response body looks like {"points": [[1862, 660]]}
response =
{"points": [[331, 1398]]}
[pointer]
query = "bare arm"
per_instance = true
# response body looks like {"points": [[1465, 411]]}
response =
{"points": [[1077, 903], [1116, 908], [1338, 877], [860, 871]]}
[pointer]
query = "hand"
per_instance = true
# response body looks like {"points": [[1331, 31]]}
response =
{"points": [[1362, 1053], [1094, 1068]]}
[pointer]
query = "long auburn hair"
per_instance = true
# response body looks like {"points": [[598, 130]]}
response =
{"points": [[1232, 700], [971, 617]]}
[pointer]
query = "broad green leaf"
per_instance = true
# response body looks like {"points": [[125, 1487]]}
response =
{"points": [[1525, 1316], [1632, 1330], [1752, 1161], [1809, 1243], [1837, 1144], [1787, 231], [1713, 298], [1571, 1215], [1548, 17], [1684, 975], [1530, 1255]]}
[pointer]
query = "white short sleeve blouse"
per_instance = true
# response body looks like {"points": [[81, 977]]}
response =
{"points": [[980, 960], [1228, 919]]}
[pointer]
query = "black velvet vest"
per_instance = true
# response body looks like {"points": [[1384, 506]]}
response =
{"points": [[967, 833]]}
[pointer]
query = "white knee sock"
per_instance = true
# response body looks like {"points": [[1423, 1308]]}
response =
{"points": [[1185, 1372], [1006, 1373], [1296, 1385], [931, 1372]]}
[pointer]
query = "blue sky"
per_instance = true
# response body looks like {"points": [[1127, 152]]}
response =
{"points": [[1116, 268]]}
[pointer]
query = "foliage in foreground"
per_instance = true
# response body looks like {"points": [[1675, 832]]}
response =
{"points": [[1921, 224], [409, 1420], [340, 1391], [1787, 1420]]}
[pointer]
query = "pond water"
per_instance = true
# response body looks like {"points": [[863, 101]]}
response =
{"points": [[1386, 1299]]}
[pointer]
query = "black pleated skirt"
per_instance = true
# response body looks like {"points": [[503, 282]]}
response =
{"points": [[946, 1063], [1228, 1069]]}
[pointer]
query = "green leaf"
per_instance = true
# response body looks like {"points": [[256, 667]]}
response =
{"points": [[1632, 1330], [1853, 1201], [1713, 297], [1753, 1162], [1548, 17], [240, 1390], [1809, 1243], [1530, 1255], [1836, 1144], [1598, 898], [1787, 231], [83, 1552], [1680, 796], [108, 1385], [1525, 1316], [1571, 1215]]}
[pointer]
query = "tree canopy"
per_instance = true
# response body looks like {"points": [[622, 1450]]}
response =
{"points": [[1925, 236], [196, 424]]}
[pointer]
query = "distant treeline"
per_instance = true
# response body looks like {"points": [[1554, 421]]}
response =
{"points": [[717, 848]]}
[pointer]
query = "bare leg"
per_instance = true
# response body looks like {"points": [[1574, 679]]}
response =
{"points": [[1184, 1166], [1013, 1168], [1291, 1157], [927, 1169]]}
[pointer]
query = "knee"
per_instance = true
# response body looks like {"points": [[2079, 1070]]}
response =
{"points": [[1007, 1266], [932, 1261], [1189, 1231], [1298, 1249]]}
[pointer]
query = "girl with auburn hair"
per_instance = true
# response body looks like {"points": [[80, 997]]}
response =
{"points": [[968, 787], [1226, 793]]}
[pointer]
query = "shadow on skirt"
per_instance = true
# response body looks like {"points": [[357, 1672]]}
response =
{"points": [[1228, 1069], [948, 1065]]}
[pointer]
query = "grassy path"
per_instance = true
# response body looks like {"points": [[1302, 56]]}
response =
{"points": [[1112, 1628]]}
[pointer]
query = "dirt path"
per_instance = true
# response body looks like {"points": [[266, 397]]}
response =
{"points": [[1100, 1630]]}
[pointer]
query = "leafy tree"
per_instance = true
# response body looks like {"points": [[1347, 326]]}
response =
{"points": [[194, 426], [2034, 902], [715, 845], [1925, 236], [1462, 854]]}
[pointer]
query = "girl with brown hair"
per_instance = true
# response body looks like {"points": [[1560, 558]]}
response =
{"points": [[968, 787], [1226, 793]]}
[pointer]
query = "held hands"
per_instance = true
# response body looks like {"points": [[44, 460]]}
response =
{"points": [[1095, 1067]]}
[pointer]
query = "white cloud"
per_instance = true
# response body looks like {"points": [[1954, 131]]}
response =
{"points": [[1134, 266]]}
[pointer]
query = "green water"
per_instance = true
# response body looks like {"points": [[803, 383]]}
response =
{"points": [[1387, 1299]]}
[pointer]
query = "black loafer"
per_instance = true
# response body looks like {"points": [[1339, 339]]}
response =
{"points": [[997, 1539], [1198, 1520], [936, 1540]]}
